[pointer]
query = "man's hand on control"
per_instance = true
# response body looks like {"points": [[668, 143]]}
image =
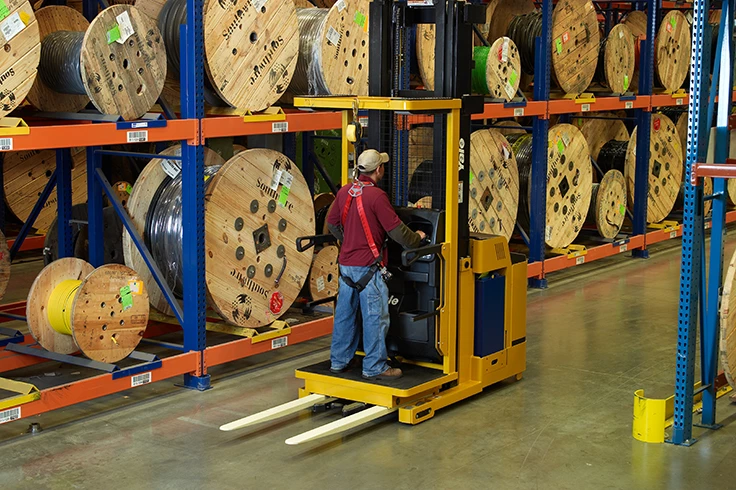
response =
{"points": [[421, 234]]}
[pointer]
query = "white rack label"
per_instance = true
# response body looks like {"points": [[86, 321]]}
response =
{"points": [[673, 234], [140, 379], [125, 26], [279, 342], [629, 104], [6, 144], [280, 127], [137, 125], [137, 136], [333, 36], [9, 415], [580, 260], [623, 248], [171, 167], [585, 107], [518, 112], [679, 101], [12, 26]]}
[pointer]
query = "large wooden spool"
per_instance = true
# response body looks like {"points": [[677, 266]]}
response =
{"points": [[636, 21], [598, 132], [257, 205], [420, 147], [150, 8], [569, 185], [503, 13], [343, 52], [575, 44], [324, 274], [322, 205], [618, 59], [22, 46], [727, 315], [508, 127], [25, 176], [103, 328], [251, 50], [672, 50], [608, 204], [494, 184], [139, 204], [665, 168]]}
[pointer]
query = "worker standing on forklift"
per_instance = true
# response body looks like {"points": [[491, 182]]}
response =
{"points": [[361, 218]]}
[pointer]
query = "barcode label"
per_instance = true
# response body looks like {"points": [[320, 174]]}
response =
{"points": [[279, 342], [137, 125], [171, 167], [320, 282], [623, 248], [9, 415], [6, 144], [363, 120], [585, 107], [629, 104], [12, 26], [333, 36], [518, 112], [679, 101], [580, 260], [137, 136], [259, 4], [280, 127], [673, 234], [125, 26], [140, 379]]}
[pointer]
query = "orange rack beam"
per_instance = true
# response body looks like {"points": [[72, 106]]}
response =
{"points": [[33, 242], [295, 122], [567, 106]]}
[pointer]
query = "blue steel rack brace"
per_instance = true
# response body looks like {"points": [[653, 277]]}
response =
{"points": [[693, 290]]}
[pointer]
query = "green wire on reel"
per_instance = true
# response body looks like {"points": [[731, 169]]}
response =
{"points": [[478, 77]]}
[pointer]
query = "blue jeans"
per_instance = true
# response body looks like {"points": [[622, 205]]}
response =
{"points": [[373, 302]]}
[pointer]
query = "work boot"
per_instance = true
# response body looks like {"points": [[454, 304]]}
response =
{"points": [[350, 365], [387, 375]]}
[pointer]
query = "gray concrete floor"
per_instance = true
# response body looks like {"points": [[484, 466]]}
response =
{"points": [[594, 337]]}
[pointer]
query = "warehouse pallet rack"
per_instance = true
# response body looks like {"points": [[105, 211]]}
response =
{"points": [[194, 356]]}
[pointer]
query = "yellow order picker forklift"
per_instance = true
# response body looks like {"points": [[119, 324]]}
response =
{"points": [[458, 304]]}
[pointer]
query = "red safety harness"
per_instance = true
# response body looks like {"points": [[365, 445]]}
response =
{"points": [[356, 193]]}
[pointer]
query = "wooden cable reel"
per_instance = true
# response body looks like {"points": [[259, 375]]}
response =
{"points": [[122, 77], [74, 307], [4, 265], [251, 50], [503, 13], [608, 204], [665, 168], [254, 272], [25, 176], [616, 65], [322, 205], [508, 127], [494, 184], [139, 204], [599, 131], [672, 51], [150, 8], [575, 44], [324, 274], [727, 314], [636, 21], [22, 42], [333, 50], [420, 147]]}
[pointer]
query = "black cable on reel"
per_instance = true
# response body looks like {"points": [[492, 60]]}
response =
{"points": [[600, 68], [613, 156], [521, 144], [60, 65], [173, 15], [523, 30]]}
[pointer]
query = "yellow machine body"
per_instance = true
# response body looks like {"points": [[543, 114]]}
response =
{"points": [[461, 374]]}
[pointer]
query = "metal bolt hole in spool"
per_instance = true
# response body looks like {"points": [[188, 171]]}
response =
{"points": [[21, 53], [251, 49], [101, 312], [333, 50], [575, 42], [256, 205], [118, 62], [569, 183]]}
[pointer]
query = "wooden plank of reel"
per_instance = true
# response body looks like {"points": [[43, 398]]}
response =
{"points": [[25, 176], [250, 54], [618, 59], [22, 45], [569, 185], [4, 265], [665, 168], [575, 44], [508, 127], [256, 207], [494, 184], [672, 50], [504, 12], [139, 204], [608, 204], [125, 78]]}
